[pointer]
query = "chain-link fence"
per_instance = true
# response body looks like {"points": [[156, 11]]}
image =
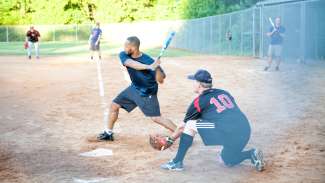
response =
{"points": [[305, 28], [238, 33], [223, 34], [303, 20], [48, 32]]}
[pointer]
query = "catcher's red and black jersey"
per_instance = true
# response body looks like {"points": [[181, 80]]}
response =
{"points": [[217, 109]]}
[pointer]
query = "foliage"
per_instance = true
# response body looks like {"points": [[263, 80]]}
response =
{"points": [[13, 12]]}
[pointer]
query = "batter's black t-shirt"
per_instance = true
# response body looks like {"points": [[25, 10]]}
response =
{"points": [[143, 80]]}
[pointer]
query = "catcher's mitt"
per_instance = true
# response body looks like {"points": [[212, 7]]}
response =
{"points": [[160, 142]]}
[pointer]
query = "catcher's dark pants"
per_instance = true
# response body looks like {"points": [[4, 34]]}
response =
{"points": [[232, 156], [233, 143]]}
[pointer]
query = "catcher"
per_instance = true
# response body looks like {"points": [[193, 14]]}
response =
{"points": [[215, 115], [144, 73]]}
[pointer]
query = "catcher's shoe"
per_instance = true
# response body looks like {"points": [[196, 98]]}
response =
{"points": [[171, 165], [105, 137], [257, 160]]}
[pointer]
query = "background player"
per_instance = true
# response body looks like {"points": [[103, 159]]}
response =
{"points": [[276, 34], [94, 41], [144, 73], [215, 115], [32, 39]]}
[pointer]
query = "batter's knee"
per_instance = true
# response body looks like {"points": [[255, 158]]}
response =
{"points": [[115, 107], [156, 119]]}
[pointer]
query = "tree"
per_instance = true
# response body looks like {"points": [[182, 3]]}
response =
{"points": [[86, 11]]}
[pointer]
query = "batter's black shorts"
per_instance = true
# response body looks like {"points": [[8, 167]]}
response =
{"points": [[130, 98]]}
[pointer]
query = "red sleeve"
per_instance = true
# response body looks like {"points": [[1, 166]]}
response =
{"points": [[38, 34], [193, 111], [28, 34], [197, 104]]}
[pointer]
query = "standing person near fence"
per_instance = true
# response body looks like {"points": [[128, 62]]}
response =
{"points": [[32, 39], [94, 41], [276, 34]]}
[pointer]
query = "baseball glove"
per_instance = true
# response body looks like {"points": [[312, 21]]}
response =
{"points": [[160, 142], [26, 45]]}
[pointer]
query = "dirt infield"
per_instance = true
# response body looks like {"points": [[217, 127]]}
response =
{"points": [[50, 108]]}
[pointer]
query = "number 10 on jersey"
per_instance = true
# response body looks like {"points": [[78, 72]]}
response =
{"points": [[222, 102]]}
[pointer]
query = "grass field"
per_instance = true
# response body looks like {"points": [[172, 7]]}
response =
{"points": [[79, 49]]}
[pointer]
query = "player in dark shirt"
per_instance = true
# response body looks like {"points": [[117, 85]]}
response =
{"points": [[32, 39], [215, 115], [144, 73]]}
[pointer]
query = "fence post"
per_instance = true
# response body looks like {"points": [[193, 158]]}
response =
{"points": [[76, 27], [229, 29], [302, 30], [253, 31], [219, 47], [211, 36], [241, 33], [7, 34], [54, 33], [261, 32]]}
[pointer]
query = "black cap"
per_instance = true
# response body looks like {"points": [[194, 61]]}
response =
{"points": [[202, 76]]}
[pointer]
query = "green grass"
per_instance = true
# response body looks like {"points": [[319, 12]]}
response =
{"points": [[80, 48]]}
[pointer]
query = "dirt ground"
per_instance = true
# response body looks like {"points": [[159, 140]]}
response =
{"points": [[50, 108]]}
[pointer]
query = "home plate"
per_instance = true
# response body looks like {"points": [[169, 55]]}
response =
{"points": [[94, 180], [98, 153]]}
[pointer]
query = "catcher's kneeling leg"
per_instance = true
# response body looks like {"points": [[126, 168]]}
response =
{"points": [[190, 128]]}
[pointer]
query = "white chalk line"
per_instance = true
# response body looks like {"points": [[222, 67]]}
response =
{"points": [[102, 93]]}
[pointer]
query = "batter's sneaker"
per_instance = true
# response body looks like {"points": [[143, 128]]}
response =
{"points": [[266, 68], [172, 166], [277, 68], [105, 137], [257, 160], [29, 57]]}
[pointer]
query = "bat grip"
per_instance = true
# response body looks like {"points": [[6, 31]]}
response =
{"points": [[161, 53]]}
